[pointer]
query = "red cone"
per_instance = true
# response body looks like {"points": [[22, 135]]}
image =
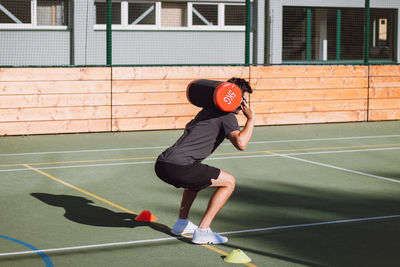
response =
{"points": [[146, 216]]}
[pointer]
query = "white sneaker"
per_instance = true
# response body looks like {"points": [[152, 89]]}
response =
{"points": [[207, 236], [183, 227]]}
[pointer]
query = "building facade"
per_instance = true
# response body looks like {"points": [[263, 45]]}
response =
{"points": [[66, 32]]}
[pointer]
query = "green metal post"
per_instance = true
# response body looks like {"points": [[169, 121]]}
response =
{"points": [[109, 33], [247, 41], [308, 47], [338, 32], [367, 21]]}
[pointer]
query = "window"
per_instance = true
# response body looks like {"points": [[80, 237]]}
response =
{"points": [[52, 12], [101, 13], [14, 11], [382, 33], [173, 14], [205, 14], [294, 37], [332, 34], [235, 15], [142, 14], [217, 15], [352, 34], [33, 13]]}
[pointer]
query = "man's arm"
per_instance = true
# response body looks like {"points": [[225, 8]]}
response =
{"points": [[240, 139]]}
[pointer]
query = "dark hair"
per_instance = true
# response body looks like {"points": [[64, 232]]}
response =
{"points": [[242, 83]]}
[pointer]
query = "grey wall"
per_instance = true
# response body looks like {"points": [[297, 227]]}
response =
{"points": [[169, 47], [34, 47]]}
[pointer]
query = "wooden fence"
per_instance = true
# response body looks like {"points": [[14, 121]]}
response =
{"points": [[101, 99]]}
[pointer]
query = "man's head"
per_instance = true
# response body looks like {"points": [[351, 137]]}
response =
{"points": [[242, 83], [244, 87]]}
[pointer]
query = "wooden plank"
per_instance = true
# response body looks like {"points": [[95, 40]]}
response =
{"points": [[310, 83], [310, 106], [134, 124], [55, 74], [350, 71], [149, 98], [307, 71], [393, 81], [310, 117], [150, 86], [53, 114], [384, 115], [308, 94], [136, 111], [51, 127], [388, 103], [176, 73], [20, 101], [54, 87], [384, 92], [385, 70], [273, 83]]}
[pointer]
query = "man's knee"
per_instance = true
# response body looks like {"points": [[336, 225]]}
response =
{"points": [[228, 179]]}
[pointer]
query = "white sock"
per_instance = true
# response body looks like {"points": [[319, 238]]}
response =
{"points": [[182, 221], [203, 230]]}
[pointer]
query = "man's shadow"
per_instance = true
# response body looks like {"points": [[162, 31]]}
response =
{"points": [[81, 210]]}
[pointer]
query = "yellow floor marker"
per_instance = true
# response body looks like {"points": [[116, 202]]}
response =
{"points": [[237, 256]]}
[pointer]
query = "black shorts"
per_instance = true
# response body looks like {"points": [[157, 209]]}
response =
{"points": [[196, 176]]}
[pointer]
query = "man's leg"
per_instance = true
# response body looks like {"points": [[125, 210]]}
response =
{"points": [[186, 203], [184, 225], [225, 185]]}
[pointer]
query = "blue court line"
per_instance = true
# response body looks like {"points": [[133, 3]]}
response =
{"points": [[44, 257]]}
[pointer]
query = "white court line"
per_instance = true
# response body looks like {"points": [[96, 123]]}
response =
{"points": [[304, 153], [82, 166], [325, 139], [83, 151], [180, 237], [342, 169], [211, 158], [226, 143]]}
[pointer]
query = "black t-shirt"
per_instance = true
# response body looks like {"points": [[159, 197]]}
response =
{"points": [[201, 137]]}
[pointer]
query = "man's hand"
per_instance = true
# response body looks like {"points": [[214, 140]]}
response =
{"points": [[248, 110], [240, 139]]}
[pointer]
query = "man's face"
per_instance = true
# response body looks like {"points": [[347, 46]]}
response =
{"points": [[246, 96]]}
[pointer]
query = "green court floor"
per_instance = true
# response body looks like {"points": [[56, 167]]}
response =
{"points": [[306, 195]]}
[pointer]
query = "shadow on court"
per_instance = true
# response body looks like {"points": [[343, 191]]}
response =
{"points": [[272, 255], [273, 203], [82, 210]]}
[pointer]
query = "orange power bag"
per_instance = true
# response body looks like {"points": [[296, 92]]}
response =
{"points": [[204, 93]]}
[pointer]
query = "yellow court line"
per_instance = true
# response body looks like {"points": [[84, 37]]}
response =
{"points": [[215, 154], [113, 204], [226, 254], [75, 161], [79, 189]]}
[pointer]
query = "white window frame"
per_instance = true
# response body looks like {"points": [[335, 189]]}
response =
{"points": [[158, 23], [33, 25], [157, 11]]}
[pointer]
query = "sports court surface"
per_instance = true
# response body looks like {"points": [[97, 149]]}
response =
{"points": [[306, 195]]}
